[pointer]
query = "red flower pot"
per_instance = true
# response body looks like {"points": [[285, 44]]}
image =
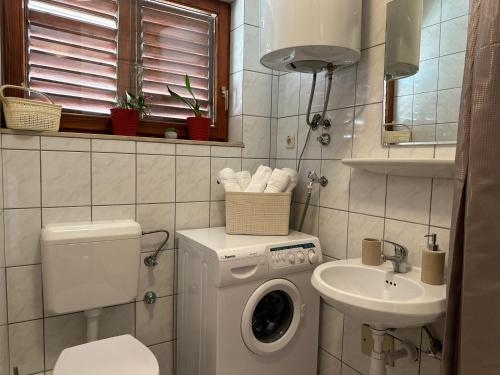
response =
{"points": [[198, 128], [124, 121]]}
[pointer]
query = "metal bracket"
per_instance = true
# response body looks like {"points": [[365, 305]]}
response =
{"points": [[150, 298], [325, 139]]}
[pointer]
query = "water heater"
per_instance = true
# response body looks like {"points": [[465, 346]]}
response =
{"points": [[307, 36]]}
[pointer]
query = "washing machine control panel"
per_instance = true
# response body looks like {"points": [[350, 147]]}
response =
{"points": [[300, 254]]}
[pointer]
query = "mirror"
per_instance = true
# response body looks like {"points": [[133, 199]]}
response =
{"points": [[424, 63]]}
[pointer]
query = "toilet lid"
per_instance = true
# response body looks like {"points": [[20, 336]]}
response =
{"points": [[122, 355]]}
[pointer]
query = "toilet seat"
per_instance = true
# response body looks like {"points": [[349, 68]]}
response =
{"points": [[121, 355]]}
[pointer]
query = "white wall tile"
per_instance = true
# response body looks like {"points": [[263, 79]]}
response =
{"points": [[192, 179], [256, 137], [22, 142], [409, 235], [26, 346], [251, 165], [237, 13], [328, 364], [235, 129], [159, 279], [257, 94], [65, 215], [120, 212], [192, 215], [332, 330], [117, 320], [4, 350], [155, 323], [217, 214], [351, 353], [367, 193], [65, 144], [3, 299], [370, 78], [103, 145], [301, 189], [237, 51], [289, 95], [318, 102], [367, 132], [408, 199], [361, 227], [451, 71], [343, 92], [164, 353], [71, 188], [313, 148], [311, 220], [113, 179], [22, 236], [25, 293], [341, 133], [287, 127], [333, 232], [155, 217], [225, 152], [252, 9], [448, 105], [429, 42], [424, 108], [427, 77], [454, 8], [193, 150], [251, 52], [442, 202], [336, 193], [454, 35], [432, 12], [236, 94], [21, 178], [62, 332], [155, 148], [155, 178]]}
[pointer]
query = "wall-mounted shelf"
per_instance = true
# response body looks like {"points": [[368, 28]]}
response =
{"points": [[441, 168]]}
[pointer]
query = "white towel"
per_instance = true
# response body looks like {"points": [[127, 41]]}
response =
{"points": [[243, 178], [294, 179], [259, 180], [278, 182], [227, 178]]}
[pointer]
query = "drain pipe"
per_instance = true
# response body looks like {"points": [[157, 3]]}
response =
{"points": [[380, 358]]}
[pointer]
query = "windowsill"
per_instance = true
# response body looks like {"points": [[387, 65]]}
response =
{"points": [[120, 138]]}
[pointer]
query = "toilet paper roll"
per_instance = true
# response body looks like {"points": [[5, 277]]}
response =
{"points": [[433, 267], [371, 252]]}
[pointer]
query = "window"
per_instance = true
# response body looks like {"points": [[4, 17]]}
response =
{"points": [[84, 54]]}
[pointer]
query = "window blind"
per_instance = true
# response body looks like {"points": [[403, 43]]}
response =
{"points": [[72, 52], [175, 41]]}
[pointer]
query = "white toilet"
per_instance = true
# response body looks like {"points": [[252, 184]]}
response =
{"points": [[88, 266]]}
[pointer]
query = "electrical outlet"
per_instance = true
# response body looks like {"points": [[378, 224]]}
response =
{"points": [[290, 141], [367, 341]]}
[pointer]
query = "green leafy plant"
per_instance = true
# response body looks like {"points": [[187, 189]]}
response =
{"points": [[194, 104], [130, 101]]}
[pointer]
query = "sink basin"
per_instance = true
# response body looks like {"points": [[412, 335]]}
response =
{"points": [[377, 296]]}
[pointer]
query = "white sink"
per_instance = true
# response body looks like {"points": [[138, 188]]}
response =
{"points": [[377, 296]]}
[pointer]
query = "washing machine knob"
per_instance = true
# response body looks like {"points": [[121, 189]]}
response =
{"points": [[300, 256], [312, 256], [291, 258]]}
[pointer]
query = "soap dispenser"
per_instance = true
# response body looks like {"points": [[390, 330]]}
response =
{"points": [[433, 262]]}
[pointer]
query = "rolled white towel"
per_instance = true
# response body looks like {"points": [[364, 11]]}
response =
{"points": [[227, 178], [259, 180], [243, 178], [294, 179], [278, 182]]}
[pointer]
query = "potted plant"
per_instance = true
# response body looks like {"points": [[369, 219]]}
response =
{"points": [[198, 126], [125, 117]]}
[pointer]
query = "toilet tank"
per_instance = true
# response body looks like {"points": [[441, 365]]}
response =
{"points": [[90, 265]]}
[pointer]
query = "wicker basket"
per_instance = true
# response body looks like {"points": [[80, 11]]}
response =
{"points": [[265, 214], [27, 114]]}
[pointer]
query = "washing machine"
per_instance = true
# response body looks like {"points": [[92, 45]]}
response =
{"points": [[246, 305]]}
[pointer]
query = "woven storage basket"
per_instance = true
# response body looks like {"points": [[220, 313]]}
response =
{"points": [[265, 214], [27, 114]]}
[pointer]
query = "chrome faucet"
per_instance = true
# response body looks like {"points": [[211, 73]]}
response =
{"points": [[399, 259]]}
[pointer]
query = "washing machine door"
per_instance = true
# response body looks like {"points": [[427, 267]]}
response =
{"points": [[271, 317]]}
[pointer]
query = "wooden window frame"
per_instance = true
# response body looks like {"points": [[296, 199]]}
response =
{"points": [[15, 60]]}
